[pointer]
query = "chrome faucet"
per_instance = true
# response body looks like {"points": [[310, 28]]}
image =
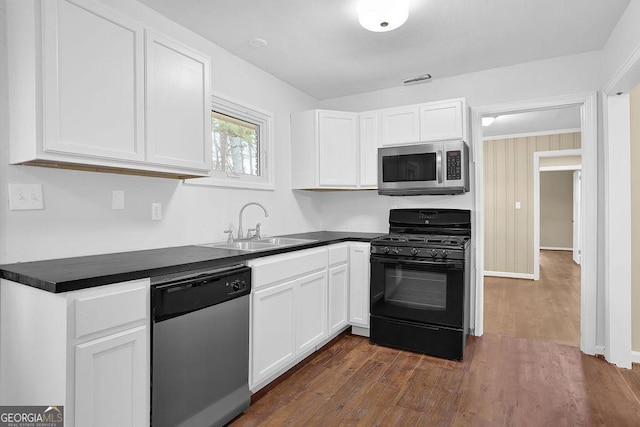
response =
{"points": [[240, 232]]}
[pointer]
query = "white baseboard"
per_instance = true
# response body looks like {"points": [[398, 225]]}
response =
{"points": [[550, 248], [635, 357], [600, 350], [509, 275]]}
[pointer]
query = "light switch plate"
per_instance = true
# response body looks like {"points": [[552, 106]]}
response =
{"points": [[25, 197], [117, 199], [518, 206]]}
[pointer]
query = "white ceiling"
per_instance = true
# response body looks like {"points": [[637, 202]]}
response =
{"points": [[319, 47]]}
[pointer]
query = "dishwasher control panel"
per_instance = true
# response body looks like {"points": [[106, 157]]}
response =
{"points": [[236, 286]]}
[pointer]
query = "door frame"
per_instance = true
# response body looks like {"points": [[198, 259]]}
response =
{"points": [[617, 188], [589, 128], [577, 216], [536, 197]]}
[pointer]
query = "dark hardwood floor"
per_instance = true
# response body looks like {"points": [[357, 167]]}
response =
{"points": [[544, 310], [502, 381], [539, 378]]}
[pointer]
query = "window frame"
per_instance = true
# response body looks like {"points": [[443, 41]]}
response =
{"points": [[264, 120]]}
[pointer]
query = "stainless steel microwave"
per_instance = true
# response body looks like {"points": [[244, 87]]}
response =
{"points": [[429, 168]]}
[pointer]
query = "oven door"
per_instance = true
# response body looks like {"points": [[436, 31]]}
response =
{"points": [[421, 291]]}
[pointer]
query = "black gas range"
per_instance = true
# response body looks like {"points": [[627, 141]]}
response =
{"points": [[420, 280]]}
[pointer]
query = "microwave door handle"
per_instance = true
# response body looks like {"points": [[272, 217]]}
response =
{"points": [[439, 166]]}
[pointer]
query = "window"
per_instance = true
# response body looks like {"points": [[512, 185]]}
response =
{"points": [[236, 145], [241, 144]]}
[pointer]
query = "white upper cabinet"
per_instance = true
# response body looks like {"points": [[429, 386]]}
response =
{"points": [[178, 106], [442, 121], [338, 148], [77, 79], [400, 125], [369, 143], [93, 69], [433, 121], [324, 149]]}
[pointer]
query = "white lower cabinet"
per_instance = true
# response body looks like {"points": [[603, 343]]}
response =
{"points": [[272, 338], [338, 287], [288, 311], [110, 373], [86, 350], [301, 300], [338, 297], [359, 286], [310, 299]]}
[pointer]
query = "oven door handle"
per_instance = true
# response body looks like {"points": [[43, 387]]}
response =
{"points": [[439, 166], [440, 264]]}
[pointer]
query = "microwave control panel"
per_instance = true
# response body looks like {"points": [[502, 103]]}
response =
{"points": [[454, 165]]}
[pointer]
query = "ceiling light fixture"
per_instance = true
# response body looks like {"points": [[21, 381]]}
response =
{"points": [[382, 15], [486, 121], [258, 43]]}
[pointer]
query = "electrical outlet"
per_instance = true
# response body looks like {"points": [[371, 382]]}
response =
{"points": [[25, 197], [518, 205], [156, 211], [117, 199]]}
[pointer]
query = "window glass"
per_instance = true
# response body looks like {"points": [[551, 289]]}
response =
{"points": [[236, 145]]}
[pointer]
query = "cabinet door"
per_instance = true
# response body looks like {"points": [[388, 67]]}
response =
{"points": [[311, 310], [272, 332], [337, 148], [338, 297], [441, 121], [369, 150], [93, 71], [112, 385], [400, 125], [178, 104], [359, 285]]}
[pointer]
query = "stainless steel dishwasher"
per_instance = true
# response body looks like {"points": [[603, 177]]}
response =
{"points": [[200, 347]]}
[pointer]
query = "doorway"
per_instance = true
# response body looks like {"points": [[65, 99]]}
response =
{"points": [[588, 127], [529, 216]]}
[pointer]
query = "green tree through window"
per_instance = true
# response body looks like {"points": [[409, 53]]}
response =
{"points": [[236, 145]]}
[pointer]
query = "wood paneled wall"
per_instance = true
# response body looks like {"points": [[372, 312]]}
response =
{"points": [[508, 178]]}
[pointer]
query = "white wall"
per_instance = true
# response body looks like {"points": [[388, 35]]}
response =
{"points": [[78, 220], [558, 76]]}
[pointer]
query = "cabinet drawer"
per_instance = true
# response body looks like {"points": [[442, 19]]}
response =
{"points": [[338, 254], [111, 308], [268, 270]]}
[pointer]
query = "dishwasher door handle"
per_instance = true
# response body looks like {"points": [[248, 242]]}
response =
{"points": [[177, 288]]}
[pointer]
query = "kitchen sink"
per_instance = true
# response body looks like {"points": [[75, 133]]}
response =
{"points": [[285, 241], [259, 245], [243, 246]]}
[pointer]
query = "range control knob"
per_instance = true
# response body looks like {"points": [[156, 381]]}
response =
{"points": [[386, 249], [444, 254], [414, 252], [395, 251], [433, 253], [235, 285]]}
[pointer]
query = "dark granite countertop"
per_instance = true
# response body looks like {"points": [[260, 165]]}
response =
{"points": [[70, 274]]}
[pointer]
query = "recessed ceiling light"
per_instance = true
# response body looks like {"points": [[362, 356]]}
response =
{"points": [[258, 43], [382, 15]]}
